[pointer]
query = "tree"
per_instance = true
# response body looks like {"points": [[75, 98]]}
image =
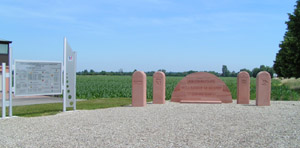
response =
{"points": [[249, 71], [225, 71], [255, 71], [287, 62], [85, 72], [262, 68], [162, 70], [120, 71], [270, 70], [233, 74], [102, 72], [191, 71], [92, 72]]}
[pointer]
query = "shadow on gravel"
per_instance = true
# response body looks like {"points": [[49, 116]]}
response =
{"points": [[248, 104]]}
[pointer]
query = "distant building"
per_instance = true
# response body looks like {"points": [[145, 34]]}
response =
{"points": [[4, 51]]}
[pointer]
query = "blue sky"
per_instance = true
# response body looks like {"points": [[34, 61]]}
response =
{"points": [[148, 35]]}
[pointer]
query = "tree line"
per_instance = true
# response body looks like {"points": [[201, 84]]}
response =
{"points": [[225, 72]]}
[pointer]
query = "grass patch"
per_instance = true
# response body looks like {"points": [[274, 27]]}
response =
{"points": [[54, 108], [283, 92], [292, 83]]}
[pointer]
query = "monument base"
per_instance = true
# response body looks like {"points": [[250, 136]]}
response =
{"points": [[201, 101]]}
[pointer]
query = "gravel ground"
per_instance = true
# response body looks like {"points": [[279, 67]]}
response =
{"points": [[159, 126]]}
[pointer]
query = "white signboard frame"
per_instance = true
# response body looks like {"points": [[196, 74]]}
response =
{"points": [[1, 82], [45, 65], [70, 61]]}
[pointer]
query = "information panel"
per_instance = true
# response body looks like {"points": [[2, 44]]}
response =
{"points": [[37, 78]]}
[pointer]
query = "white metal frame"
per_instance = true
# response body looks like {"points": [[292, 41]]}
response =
{"points": [[11, 89], [3, 90], [10, 82], [4, 76], [65, 78]]}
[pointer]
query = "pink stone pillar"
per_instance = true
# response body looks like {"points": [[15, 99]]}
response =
{"points": [[159, 88], [243, 88], [139, 88], [263, 89]]}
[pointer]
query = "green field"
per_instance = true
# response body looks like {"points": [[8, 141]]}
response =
{"points": [[92, 87], [54, 108]]}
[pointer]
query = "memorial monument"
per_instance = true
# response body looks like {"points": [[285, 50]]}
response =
{"points": [[201, 87], [139, 89], [243, 88], [263, 89], [159, 88]]}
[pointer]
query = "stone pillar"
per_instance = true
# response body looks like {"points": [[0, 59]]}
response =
{"points": [[263, 89], [243, 88], [139, 89], [159, 88]]}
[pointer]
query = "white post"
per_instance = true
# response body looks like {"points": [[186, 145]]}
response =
{"points": [[65, 77], [10, 82], [75, 65], [3, 90]]}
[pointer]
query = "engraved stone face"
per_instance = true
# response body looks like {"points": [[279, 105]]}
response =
{"points": [[159, 88], [201, 87], [243, 88], [263, 89], [139, 89]]}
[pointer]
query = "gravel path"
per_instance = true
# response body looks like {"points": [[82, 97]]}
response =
{"points": [[168, 125]]}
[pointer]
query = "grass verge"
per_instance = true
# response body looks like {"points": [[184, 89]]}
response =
{"points": [[54, 108]]}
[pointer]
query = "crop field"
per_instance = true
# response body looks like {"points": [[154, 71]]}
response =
{"points": [[98, 86]]}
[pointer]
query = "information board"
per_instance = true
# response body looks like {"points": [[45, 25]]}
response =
{"points": [[37, 78]]}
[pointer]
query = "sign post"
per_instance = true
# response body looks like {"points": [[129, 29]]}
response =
{"points": [[3, 86], [3, 90], [10, 82], [69, 84]]}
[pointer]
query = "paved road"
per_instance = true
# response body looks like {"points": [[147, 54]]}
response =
{"points": [[20, 101]]}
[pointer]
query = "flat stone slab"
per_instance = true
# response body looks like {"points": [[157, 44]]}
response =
{"points": [[201, 102]]}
